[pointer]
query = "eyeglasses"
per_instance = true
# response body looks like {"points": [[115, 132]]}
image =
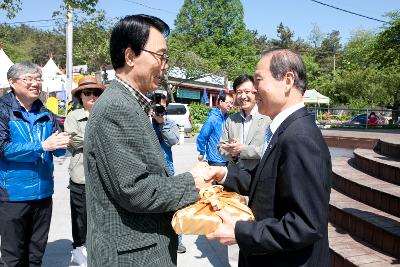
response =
{"points": [[96, 93], [246, 92], [30, 80], [164, 57]]}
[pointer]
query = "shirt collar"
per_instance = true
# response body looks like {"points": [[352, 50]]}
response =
{"points": [[144, 101], [251, 115], [277, 121]]}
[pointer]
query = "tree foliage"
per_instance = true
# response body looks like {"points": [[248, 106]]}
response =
{"points": [[23, 43], [214, 33], [91, 41]]}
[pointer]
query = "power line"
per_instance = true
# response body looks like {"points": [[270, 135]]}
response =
{"points": [[344, 10], [159, 9], [29, 21]]}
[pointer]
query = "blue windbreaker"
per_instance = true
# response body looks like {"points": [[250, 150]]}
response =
{"points": [[209, 136], [26, 171]]}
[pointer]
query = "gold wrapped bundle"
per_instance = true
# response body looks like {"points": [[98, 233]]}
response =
{"points": [[201, 219]]}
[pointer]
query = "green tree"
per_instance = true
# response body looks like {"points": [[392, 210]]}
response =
{"points": [[285, 36], [214, 33], [357, 53], [46, 44], [316, 36], [328, 55], [91, 41], [387, 45]]}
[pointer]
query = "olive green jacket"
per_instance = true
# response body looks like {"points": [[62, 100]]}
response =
{"points": [[75, 123]]}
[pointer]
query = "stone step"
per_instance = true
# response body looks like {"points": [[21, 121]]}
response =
{"points": [[377, 165], [347, 250], [389, 147], [376, 227], [365, 188]]}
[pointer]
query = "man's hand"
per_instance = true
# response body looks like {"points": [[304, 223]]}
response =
{"points": [[225, 233], [199, 173], [56, 141], [215, 173], [159, 119], [233, 148], [200, 158]]}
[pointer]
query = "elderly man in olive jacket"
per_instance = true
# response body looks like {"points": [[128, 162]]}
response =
{"points": [[131, 195]]}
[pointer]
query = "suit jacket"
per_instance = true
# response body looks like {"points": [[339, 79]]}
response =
{"points": [[131, 196], [251, 150], [289, 195]]}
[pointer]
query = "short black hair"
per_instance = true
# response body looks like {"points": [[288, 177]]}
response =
{"points": [[242, 79], [157, 97], [222, 96], [285, 60], [133, 32]]}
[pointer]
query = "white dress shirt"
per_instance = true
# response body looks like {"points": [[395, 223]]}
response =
{"points": [[246, 123], [277, 121]]}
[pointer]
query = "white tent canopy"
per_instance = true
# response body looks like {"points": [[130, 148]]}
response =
{"points": [[50, 70], [314, 97], [5, 64], [54, 80]]}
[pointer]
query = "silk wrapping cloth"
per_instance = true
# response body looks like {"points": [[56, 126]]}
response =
{"points": [[200, 218]]}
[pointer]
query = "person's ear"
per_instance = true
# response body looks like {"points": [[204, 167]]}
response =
{"points": [[12, 83], [130, 57], [289, 81]]}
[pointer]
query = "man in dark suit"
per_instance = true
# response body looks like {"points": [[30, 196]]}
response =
{"points": [[131, 195], [289, 190]]}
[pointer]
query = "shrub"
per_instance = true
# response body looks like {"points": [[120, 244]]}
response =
{"points": [[199, 113]]}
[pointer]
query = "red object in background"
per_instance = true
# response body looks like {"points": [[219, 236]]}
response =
{"points": [[373, 121]]}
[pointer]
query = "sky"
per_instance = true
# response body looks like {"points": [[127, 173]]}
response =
{"points": [[261, 15]]}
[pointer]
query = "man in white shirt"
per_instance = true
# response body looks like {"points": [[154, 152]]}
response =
{"points": [[289, 190], [243, 137]]}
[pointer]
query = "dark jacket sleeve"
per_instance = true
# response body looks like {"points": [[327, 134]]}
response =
{"points": [[239, 180], [303, 184]]}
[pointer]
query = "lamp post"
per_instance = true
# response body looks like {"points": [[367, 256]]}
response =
{"points": [[69, 38]]}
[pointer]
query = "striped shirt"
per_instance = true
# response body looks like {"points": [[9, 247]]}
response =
{"points": [[144, 101]]}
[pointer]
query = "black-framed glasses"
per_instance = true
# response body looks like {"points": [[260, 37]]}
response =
{"points": [[29, 80], [96, 93], [164, 56]]}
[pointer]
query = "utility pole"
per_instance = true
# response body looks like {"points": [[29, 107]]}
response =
{"points": [[334, 63], [69, 36]]}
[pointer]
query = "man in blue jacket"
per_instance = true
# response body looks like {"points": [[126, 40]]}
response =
{"points": [[168, 135], [211, 132], [29, 137]]}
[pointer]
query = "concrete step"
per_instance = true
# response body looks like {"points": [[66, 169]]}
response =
{"points": [[347, 250], [365, 188], [376, 227], [389, 147], [380, 166]]}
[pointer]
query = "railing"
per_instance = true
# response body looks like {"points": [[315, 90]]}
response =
{"points": [[356, 118]]}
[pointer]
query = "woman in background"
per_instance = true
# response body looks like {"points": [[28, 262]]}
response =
{"points": [[86, 94]]}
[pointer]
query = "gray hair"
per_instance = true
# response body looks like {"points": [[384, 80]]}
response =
{"points": [[284, 61], [18, 69]]}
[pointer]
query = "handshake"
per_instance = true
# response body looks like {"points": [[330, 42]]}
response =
{"points": [[205, 174]]}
